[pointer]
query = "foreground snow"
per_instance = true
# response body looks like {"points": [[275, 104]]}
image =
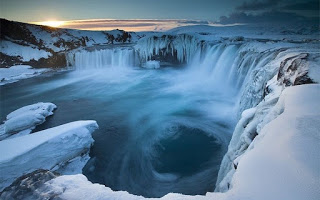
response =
{"points": [[18, 72], [23, 120], [281, 163], [44, 149]]}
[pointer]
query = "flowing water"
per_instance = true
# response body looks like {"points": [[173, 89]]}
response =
{"points": [[160, 130]]}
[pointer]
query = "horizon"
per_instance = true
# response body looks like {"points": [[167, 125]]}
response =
{"points": [[143, 15]]}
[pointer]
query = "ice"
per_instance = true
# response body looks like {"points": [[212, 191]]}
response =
{"points": [[185, 46], [283, 162], [18, 72], [25, 53], [151, 64], [44, 149], [24, 119]]}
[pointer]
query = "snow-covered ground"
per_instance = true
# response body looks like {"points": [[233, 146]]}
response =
{"points": [[44, 149], [24, 53], [19, 72], [23, 120], [281, 163]]}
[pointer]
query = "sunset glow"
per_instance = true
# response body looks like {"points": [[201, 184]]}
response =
{"points": [[51, 23]]}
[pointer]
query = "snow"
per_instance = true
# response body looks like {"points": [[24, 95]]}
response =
{"points": [[281, 163], [151, 64], [18, 72], [284, 162], [44, 149], [25, 53], [23, 120]]}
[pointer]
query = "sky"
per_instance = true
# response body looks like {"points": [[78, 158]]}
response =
{"points": [[126, 14]]}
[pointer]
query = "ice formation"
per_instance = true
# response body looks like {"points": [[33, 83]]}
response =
{"points": [[23, 120], [18, 72], [183, 46], [151, 64], [44, 149]]}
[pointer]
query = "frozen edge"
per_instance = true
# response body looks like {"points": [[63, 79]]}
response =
{"points": [[44, 149]]}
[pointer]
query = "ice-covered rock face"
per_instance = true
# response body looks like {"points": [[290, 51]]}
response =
{"points": [[168, 48], [290, 67], [26, 186], [44, 149]]}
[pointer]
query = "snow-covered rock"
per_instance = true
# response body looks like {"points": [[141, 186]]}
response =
{"points": [[23, 120], [289, 68], [44, 149], [18, 72], [24, 53]]}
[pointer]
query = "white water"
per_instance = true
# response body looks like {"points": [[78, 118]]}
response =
{"points": [[104, 58]]}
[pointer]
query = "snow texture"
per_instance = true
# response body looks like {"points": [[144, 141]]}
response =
{"points": [[25, 53], [23, 120], [18, 72], [44, 149]]}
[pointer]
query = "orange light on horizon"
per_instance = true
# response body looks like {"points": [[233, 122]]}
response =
{"points": [[51, 23]]}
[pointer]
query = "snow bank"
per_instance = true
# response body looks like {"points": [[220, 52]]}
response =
{"points": [[281, 163], [25, 53], [18, 72], [26, 118], [43, 149], [151, 64]]}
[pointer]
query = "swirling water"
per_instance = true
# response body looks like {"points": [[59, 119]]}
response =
{"points": [[161, 131]]}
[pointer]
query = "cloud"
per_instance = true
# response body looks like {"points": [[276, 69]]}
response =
{"points": [[311, 5], [270, 17], [129, 24], [255, 5]]}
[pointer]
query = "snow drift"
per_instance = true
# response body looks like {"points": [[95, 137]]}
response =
{"points": [[44, 149], [25, 119]]}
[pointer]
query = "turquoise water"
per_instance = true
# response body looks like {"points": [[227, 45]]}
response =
{"points": [[160, 131]]}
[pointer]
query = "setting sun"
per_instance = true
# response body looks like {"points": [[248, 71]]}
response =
{"points": [[51, 23]]}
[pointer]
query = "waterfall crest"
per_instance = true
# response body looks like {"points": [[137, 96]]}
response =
{"points": [[104, 58]]}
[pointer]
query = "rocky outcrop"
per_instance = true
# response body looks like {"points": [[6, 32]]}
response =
{"points": [[25, 187]]}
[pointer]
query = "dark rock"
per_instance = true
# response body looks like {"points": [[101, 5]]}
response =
{"points": [[25, 187]]}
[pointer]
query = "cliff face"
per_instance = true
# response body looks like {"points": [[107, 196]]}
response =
{"points": [[294, 68]]}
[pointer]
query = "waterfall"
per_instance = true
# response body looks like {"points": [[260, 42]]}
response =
{"points": [[236, 70], [104, 58]]}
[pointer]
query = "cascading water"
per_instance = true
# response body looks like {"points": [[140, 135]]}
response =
{"points": [[104, 58]]}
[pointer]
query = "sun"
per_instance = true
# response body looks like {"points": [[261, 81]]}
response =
{"points": [[51, 23]]}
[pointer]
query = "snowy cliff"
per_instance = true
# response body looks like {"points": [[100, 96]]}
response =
{"points": [[42, 46]]}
